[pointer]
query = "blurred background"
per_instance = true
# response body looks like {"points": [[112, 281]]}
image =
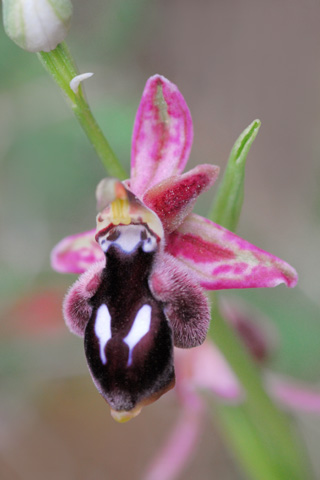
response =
{"points": [[234, 61]]}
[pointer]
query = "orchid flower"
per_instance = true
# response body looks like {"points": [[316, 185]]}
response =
{"points": [[146, 266], [205, 370]]}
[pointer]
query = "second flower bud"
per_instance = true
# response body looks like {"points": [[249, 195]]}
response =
{"points": [[37, 25]]}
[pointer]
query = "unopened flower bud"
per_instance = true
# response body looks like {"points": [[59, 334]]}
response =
{"points": [[37, 25]]}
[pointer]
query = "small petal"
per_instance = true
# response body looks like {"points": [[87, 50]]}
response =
{"points": [[206, 368], [293, 394], [173, 199], [108, 190], [76, 253], [75, 82], [76, 307], [186, 307], [221, 260], [162, 135]]}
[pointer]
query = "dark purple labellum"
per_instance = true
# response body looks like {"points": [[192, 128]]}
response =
{"points": [[128, 339]]}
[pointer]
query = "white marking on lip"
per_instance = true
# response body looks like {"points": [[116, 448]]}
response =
{"points": [[129, 238], [104, 244], [149, 245], [140, 327], [102, 329]]}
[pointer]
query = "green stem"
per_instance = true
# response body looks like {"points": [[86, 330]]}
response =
{"points": [[59, 63], [262, 436]]}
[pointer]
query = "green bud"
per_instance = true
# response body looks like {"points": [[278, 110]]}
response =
{"points": [[37, 25]]}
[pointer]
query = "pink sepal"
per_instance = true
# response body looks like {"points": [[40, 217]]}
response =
{"points": [[76, 253], [293, 394], [162, 135], [221, 260], [174, 198]]}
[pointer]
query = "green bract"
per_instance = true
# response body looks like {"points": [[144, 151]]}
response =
{"points": [[228, 202], [37, 25]]}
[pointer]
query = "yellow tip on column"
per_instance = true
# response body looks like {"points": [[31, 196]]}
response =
{"points": [[123, 416]]}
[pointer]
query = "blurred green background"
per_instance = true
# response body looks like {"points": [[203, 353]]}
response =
{"points": [[233, 61]]}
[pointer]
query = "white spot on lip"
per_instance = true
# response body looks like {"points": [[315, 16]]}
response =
{"points": [[102, 329], [140, 327]]}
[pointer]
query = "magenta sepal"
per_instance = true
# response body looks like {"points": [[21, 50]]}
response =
{"points": [[162, 135], [76, 253], [219, 259]]}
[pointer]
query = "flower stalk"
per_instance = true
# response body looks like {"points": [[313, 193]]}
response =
{"points": [[61, 66]]}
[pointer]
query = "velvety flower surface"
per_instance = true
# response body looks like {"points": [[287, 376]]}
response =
{"points": [[145, 266]]}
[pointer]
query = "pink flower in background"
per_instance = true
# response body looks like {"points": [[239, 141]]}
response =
{"points": [[36, 313], [205, 370], [146, 265]]}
